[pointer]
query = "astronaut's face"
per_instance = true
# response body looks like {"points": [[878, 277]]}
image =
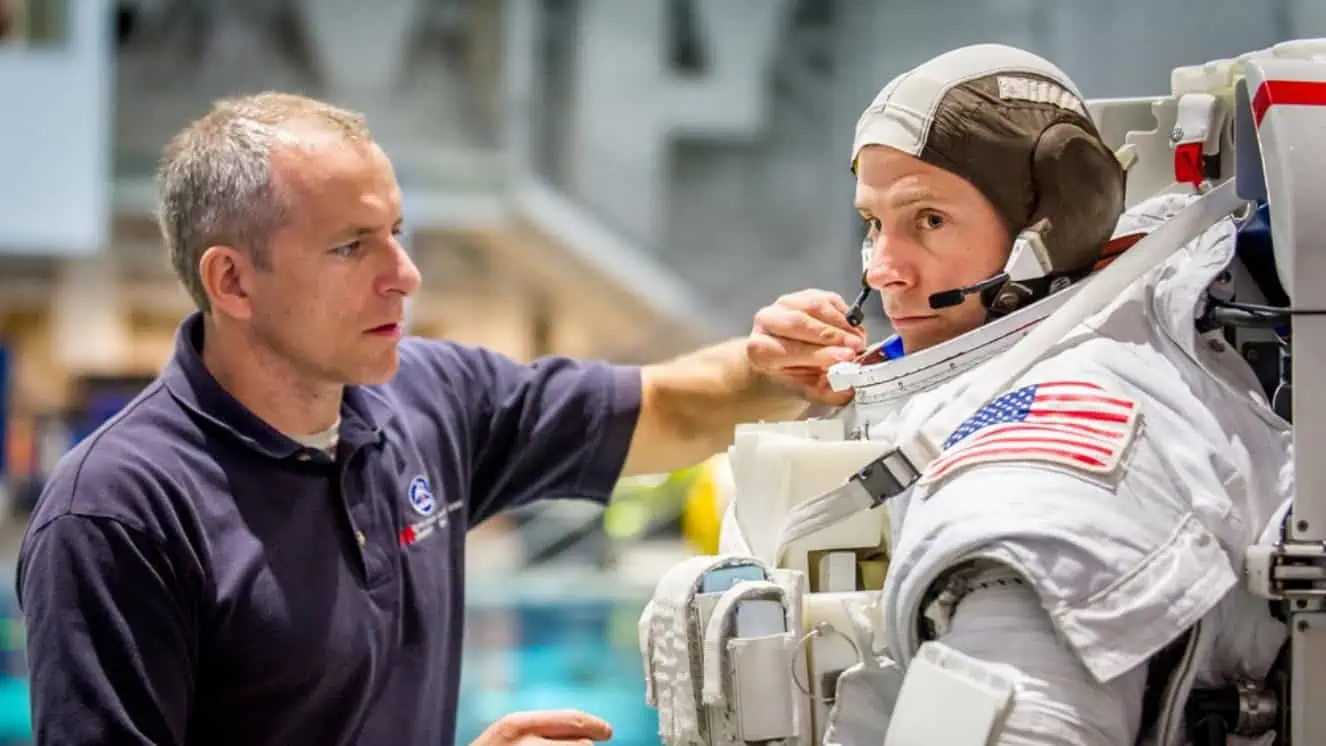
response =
{"points": [[930, 231]]}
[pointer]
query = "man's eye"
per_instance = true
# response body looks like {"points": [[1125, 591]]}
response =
{"points": [[930, 221], [349, 249]]}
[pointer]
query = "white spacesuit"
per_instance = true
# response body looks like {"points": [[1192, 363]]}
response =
{"points": [[1068, 559], [1113, 490]]}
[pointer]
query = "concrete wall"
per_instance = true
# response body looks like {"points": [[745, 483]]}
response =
{"points": [[55, 137]]}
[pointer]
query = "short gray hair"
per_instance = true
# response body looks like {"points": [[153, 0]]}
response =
{"points": [[216, 185]]}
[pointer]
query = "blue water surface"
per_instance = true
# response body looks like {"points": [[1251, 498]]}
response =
{"points": [[550, 653], [555, 654]]}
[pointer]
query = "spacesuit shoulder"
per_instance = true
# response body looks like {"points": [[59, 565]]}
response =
{"points": [[1063, 479]]}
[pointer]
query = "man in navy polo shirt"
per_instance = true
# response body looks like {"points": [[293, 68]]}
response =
{"points": [[266, 546]]}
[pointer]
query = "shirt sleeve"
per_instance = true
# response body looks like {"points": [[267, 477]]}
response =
{"points": [[110, 636], [1057, 701], [555, 428]]}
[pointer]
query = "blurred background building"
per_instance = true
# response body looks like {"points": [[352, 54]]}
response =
{"points": [[619, 179]]}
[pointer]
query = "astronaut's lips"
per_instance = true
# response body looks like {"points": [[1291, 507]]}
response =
{"points": [[900, 322]]}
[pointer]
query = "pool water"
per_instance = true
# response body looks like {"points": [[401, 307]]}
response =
{"points": [[553, 655], [519, 655], [15, 717]]}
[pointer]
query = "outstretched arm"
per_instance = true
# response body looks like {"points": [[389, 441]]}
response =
{"points": [[691, 405]]}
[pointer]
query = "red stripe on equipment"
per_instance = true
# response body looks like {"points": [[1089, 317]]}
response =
{"points": [[1287, 93]]}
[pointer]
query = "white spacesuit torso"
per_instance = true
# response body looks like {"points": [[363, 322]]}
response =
{"points": [[1126, 505]]}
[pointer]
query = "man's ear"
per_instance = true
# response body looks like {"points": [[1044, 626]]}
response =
{"points": [[226, 274], [1080, 187]]}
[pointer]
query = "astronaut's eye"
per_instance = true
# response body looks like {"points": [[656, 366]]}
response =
{"points": [[930, 220]]}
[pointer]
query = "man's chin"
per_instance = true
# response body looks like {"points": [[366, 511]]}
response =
{"points": [[921, 340], [376, 374], [924, 334]]}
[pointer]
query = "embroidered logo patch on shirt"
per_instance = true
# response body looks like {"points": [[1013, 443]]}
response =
{"points": [[1072, 423], [421, 497]]}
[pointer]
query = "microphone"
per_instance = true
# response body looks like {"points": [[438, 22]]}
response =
{"points": [[857, 313], [948, 298]]}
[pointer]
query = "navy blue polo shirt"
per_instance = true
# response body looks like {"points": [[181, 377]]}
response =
{"points": [[192, 576]]}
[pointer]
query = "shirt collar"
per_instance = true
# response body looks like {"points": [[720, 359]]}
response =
{"points": [[364, 411]]}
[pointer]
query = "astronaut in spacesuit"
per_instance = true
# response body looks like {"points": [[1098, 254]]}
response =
{"points": [[1090, 521]]}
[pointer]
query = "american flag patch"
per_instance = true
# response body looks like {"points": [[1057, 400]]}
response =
{"points": [[1072, 423]]}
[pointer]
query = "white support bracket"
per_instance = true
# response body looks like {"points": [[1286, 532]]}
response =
{"points": [[1287, 102]]}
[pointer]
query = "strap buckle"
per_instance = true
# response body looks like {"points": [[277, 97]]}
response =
{"points": [[888, 476]]}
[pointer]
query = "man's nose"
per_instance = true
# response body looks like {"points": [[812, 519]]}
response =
{"points": [[886, 269], [404, 277]]}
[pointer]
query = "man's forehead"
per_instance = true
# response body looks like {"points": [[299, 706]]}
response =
{"points": [[905, 191], [331, 167], [321, 157], [887, 176]]}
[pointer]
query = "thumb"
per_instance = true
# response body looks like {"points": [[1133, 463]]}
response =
{"points": [[553, 725]]}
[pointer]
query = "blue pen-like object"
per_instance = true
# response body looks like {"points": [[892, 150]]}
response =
{"points": [[892, 348]]}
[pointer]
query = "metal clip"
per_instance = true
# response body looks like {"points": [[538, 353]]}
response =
{"points": [[820, 630]]}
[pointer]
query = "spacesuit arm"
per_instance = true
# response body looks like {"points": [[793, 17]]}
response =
{"points": [[1057, 702]]}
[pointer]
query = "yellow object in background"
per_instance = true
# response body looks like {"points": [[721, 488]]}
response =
{"points": [[698, 494], [707, 498]]}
